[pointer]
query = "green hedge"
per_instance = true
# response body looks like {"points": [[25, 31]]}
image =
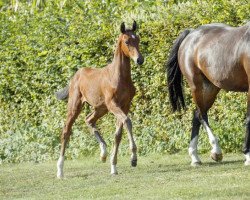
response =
{"points": [[41, 48]]}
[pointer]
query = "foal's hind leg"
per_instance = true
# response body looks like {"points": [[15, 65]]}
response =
{"points": [[74, 108], [91, 122], [204, 94]]}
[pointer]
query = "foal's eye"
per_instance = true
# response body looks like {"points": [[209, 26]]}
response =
{"points": [[126, 42]]}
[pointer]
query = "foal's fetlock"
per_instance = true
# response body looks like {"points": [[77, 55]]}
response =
{"points": [[113, 170], [103, 154]]}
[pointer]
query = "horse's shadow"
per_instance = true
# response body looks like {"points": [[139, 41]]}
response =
{"points": [[163, 168]]}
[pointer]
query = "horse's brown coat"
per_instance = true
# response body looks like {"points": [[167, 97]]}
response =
{"points": [[108, 89], [211, 57]]}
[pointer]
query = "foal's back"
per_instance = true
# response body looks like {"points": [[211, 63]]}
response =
{"points": [[92, 83]]}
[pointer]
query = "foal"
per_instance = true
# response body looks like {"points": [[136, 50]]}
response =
{"points": [[109, 89]]}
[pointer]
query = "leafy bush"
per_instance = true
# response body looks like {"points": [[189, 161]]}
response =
{"points": [[41, 48]]}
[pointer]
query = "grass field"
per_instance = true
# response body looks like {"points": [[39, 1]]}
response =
{"points": [[156, 177]]}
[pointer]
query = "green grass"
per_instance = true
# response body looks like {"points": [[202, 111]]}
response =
{"points": [[156, 177]]}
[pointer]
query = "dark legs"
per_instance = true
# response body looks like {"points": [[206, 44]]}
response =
{"points": [[194, 140], [246, 147], [204, 94]]}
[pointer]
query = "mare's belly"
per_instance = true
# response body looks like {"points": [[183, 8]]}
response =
{"points": [[228, 79]]}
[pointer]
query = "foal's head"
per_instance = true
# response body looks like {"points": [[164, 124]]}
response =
{"points": [[130, 44]]}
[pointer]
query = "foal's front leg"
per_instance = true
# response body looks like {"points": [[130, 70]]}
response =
{"points": [[118, 137], [124, 119]]}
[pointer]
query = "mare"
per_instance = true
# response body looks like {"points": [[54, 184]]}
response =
{"points": [[211, 57], [108, 89]]}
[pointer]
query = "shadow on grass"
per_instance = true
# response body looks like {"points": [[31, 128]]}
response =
{"points": [[228, 162], [163, 168]]}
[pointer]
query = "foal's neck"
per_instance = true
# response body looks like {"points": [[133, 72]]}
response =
{"points": [[120, 65]]}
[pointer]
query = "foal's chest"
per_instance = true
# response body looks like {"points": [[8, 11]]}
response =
{"points": [[124, 93]]}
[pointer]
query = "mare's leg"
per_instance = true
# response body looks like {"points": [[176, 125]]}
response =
{"points": [[118, 137], [204, 94], [74, 108], [121, 115], [194, 140], [91, 122], [246, 147]]}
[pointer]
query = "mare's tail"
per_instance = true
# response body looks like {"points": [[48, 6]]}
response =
{"points": [[174, 76]]}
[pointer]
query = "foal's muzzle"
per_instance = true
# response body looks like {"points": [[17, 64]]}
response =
{"points": [[140, 60]]}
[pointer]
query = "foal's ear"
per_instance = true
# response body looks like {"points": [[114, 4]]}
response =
{"points": [[123, 29], [134, 26]]}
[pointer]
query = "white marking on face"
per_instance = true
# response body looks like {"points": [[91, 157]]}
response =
{"points": [[133, 36]]}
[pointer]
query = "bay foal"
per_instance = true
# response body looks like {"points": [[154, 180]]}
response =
{"points": [[108, 89], [211, 57]]}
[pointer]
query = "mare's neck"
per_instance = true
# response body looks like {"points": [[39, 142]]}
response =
{"points": [[120, 65]]}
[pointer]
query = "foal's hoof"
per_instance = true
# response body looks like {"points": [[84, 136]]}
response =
{"points": [[196, 164], [133, 163], [217, 157], [114, 173], [103, 159], [59, 176]]}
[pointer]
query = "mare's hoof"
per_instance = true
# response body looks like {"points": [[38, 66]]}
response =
{"points": [[247, 163], [196, 164], [217, 157], [133, 163]]}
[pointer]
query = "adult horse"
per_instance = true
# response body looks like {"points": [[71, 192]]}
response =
{"points": [[108, 89], [211, 57]]}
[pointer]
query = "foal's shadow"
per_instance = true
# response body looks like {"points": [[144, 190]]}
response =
{"points": [[227, 162]]}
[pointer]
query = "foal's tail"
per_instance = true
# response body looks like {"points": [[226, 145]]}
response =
{"points": [[63, 94], [174, 76]]}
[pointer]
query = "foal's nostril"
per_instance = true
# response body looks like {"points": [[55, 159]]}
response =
{"points": [[140, 60]]}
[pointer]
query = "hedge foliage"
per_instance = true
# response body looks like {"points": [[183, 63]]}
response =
{"points": [[41, 48]]}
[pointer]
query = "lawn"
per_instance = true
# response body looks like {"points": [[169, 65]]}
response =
{"points": [[155, 177]]}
